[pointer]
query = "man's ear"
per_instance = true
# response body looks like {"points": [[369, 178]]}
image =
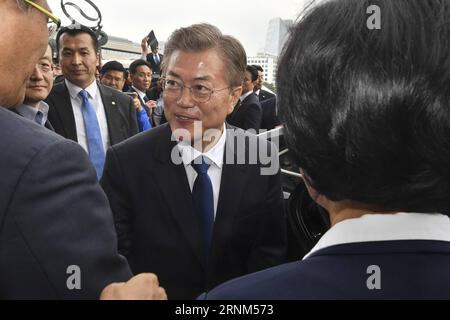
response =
{"points": [[312, 192]]}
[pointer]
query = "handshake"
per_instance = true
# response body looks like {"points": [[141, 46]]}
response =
{"points": [[144, 286]]}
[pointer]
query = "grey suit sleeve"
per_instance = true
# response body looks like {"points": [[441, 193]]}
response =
{"points": [[113, 184], [271, 247], [63, 218]]}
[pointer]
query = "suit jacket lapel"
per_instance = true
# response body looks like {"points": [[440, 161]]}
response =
{"points": [[174, 185], [234, 177], [65, 112]]}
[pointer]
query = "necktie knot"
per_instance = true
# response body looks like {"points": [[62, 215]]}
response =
{"points": [[201, 165], [84, 94]]}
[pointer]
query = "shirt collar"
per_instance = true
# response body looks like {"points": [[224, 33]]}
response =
{"points": [[215, 154], [245, 95], [385, 227], [74, 90], [257, 92]]}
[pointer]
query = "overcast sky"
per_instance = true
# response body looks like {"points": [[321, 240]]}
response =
{"points": [[247, 20]]}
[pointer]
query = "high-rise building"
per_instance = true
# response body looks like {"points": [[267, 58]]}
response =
{"points": [[268, 63], [276, 37]]}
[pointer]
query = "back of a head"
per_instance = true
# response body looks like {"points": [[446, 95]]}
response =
{"points": [[203, 37], [367, 110]]}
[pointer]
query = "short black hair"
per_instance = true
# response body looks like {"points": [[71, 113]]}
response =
{"points": [[75, 29], [137, 63], [113, 65], [258, 67], [253, 71], [366, 111]]}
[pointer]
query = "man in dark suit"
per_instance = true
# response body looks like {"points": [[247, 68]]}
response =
{"points": [[259, 91], [372, 145], [56, 236], [192, 207], [248, 113], [83, 110]]}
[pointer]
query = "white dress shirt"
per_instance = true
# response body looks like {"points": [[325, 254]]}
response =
{"points": [[96, 99], [215, 154], [245, 95], [386, 227]]}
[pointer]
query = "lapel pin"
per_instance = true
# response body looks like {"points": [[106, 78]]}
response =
{"points": [[113, 103]]}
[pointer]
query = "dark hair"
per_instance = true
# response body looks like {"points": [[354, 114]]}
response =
{"points": [[258, 67], [367, 112], [76, 29], [202, 37], [253, 71], [113, 65], [137, 63]]}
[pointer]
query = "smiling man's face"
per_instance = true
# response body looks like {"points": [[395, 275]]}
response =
{"points": [[199, 69]]}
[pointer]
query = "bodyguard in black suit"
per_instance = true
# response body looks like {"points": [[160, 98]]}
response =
{"points": [[248, 113], [159, 207], [83, 110], [262, 94]]}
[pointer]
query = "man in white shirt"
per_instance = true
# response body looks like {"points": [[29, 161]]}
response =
{"points": [[83, 110]]}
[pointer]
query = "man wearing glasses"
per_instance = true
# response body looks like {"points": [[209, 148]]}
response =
{"points": [[38, 87], [57, 239], [204, 217]]}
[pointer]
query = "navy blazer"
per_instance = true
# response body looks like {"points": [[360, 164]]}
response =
{"points": [[159, 230], [409, 269], [119, 109], [53, 214]]}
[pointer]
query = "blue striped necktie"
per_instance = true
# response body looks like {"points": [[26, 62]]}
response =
{"points": [[93, 134], [202, 193]]}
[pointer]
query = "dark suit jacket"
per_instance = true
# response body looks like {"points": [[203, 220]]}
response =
{"points": [[269, 114], [247, 114], [119, 108], [159, 231], [264, 95], [156, 68], [409, 269], [53, 214]]}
